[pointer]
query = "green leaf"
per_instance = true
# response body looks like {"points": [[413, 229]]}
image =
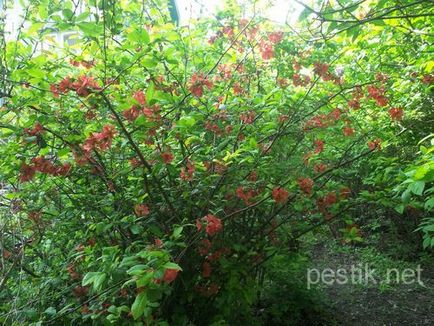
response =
{"points": [[400, 208], [177, 232], [139, 305], [417, 187], [406, 195], [99, 281], [37, 73], [144, 280], [171, 265], [43, 12], [50, 311], [95, 278], [186, 122], [426, 242], [429, 204], [150, 92], [88, 278], [135, 229], [136, 270], [149, 62], [305, 13], [63, 152], [429, 228], [139, 35], [421, 172], [68, 13], [36, 27], [90, 29]]}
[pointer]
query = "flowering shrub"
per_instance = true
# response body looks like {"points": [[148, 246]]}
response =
{"points": [[149, 170]]}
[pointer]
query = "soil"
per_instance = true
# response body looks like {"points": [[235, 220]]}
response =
{"points": [[355, 304]]}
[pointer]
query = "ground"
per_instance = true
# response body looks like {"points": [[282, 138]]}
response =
{"points": [[379, 304]]}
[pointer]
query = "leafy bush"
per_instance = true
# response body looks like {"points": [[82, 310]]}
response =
{"points": [[150, 169], [285, 279]]}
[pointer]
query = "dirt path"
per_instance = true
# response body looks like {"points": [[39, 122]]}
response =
{"points": [[376, 304]]}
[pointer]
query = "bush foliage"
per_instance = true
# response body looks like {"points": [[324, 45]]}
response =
{"points": [[152, 170]]}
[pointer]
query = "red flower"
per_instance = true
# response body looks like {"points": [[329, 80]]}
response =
{"points": [[275, 37], [141, 210], [41, 164], [197, 82], [330, 198], [36, 130], [428, 79], [320, 68], [319, 146], [206, 270], [345, 192], [282, 82], [247, 118], [212, 39], [6, 254], [253, 176], [245, 195], [374, 144], [214, 224], [348, 131], [158, 242], [377, 93], [188, 171], [205, 244], [81, 291], [215, 255], [280, 195], [35, 216], [71, 271], [100, 140], [63, 170], [381, 77], [80, 247], [213, 127], [228, 129], [228, 30], [54, 90], [88, 64], [306, 185], [382, 101], [65, 85], [225, 71], [139, 96], [198, 225], [355, 104], [135, 162], [85, 85], [74, 63], [170, 275], [212, 289], [298, 80], [132, 113], [237, 89], [81, 159], [319, 168], [167, 157], [335, 114], [396, 113], [266, 49], [27, 172], [296, 66]]}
